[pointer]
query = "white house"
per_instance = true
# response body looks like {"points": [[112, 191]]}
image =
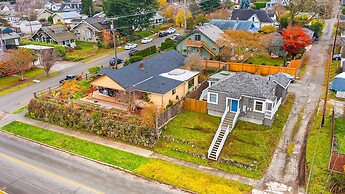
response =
{"points": [[43, 14], [258, 17], [65, 17], [29, 27]]}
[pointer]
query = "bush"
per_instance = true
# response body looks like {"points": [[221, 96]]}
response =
{"points": [[317, 26], [94, 70], [58, 48], [259, 5], [268, 29], [168, 44], [133, 59], [146, 52]]}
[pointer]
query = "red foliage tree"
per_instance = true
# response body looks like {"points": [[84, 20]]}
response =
{"points": [[295, 40]]}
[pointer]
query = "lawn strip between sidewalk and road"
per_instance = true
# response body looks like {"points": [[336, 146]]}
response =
{"points": [[155, 169]]}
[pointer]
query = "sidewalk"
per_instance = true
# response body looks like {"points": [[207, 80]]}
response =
{"points": [[137, 151]]}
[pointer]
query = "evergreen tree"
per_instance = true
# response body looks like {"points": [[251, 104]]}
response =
{"points": [[210, 5], [87, 7], [245, 4]]}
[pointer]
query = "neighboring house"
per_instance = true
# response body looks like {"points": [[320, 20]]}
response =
{"points": [[88, 29], [74, 4], [99, 15], [65, 17], [206, 40], [5, 7], [271, 4], [9, 38], [43, 14], [258, 17], [56, 34], [247, 97], [157, 19], [159, 78], [29, 27], [235, 25], [338, 83]]}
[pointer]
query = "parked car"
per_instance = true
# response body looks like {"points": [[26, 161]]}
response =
{"points": [[132, 52], [162, 34], [112, 62], [171, 30], [173, 37], [336, 57], [67, 78], [130, 46], [146, 40]]}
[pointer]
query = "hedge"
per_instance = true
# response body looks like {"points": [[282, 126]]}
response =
{"points": [[94, 70], [95, 121], [60, 49], [168, 44], [133, 59], [259, 5], [146, 52]]}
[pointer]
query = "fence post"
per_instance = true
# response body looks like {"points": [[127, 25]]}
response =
{"points": [[35, 95]]}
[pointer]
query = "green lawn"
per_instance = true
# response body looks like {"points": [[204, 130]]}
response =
{"points": [[247, 142], [87, 49], [12, 80], [339, 132], [319, 141], [159, 170], [263, 60]]}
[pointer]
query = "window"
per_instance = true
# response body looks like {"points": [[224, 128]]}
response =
{"points": [[197, 37], [190, 83], [212, 98], [269, 106], [258, 106], [173, 92]]}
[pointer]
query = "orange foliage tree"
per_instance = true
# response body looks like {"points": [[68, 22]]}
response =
{"points": [[295, 40], [20, 60], [169, 12]]}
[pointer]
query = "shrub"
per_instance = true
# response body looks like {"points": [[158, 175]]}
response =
{"points": [[259, 5], [58, 48], [133, 59], [168, 44], [317, 26], [94, 70], [146, 52], [268, 29]]}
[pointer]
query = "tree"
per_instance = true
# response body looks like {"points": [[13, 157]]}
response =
{"points": [[162, 3], [179, 19], [245, 4], [133, 13], [283, 20], [148, 115], [193, 62], [87, 7], [20, 60], [295, 40], [48, 57], [317, 26], [301, 20], [208, 6], [169, 12], [268, 29], [200, 20], [220, 14]]}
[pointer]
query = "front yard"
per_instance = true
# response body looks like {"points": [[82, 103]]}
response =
{"points": [[14, 79], [339, 132], [264, 60], [189, 136]]}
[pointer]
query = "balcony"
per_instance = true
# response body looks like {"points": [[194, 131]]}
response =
{"points": [[200, 44]]}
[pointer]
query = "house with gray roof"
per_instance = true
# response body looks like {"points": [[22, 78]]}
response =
{"points": [[89, 29], [159, 78], [56, 34], [9, 39], [247, 97], [206, 40], [259, 17], [65, 17], [235, 25]]}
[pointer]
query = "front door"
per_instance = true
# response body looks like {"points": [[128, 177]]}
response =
{"points": [[232, 104]]}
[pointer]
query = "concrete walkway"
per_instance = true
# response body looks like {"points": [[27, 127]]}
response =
{"points": [[137, 150]]}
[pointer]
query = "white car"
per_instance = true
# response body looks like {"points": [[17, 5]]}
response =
{"points": [[173, 37], [171, 30], [130, 46], [146, 40]]}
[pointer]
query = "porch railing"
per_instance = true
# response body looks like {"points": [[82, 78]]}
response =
{"points": [[269, 114], [235, 119]]}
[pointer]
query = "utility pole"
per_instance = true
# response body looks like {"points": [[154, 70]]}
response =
{"points": [[185, 15], [328, 75], [1, 43], [114, 40]]}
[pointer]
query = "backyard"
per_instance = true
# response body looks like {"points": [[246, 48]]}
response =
{"points": [[189, 136], [265, 60]]}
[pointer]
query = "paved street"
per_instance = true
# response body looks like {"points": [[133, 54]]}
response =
{"points": [[30, 168], [15, 100]]}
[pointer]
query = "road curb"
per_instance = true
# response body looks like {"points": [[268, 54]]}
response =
{"points": [[96, 161]]}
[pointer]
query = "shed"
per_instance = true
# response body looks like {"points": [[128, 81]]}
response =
{"points": [[338, 83]]}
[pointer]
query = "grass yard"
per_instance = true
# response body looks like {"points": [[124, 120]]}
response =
{"points": [[87, 49], [13, 80], [339, 132], [263, 60], [193, 133], [319, 141], [159, 170]]}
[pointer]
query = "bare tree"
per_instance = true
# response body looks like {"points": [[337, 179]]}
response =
{"points": [[20, 60], [48, 57], [193, 62]]}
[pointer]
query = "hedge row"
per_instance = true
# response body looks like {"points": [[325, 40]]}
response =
{"points": [[94, 122], [60, 49], [168, 44], [259, 5], [146, 52]]}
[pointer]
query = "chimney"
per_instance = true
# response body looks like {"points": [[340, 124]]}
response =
{"points": [[142, 66]]}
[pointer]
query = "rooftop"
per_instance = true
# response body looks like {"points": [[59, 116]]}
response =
{"points": [[234, 25], [68, 15], [280, 79], [212, 32], [245, 14]]}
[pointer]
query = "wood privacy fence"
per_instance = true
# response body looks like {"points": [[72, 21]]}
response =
{"points": [[195, 105], [251, 68], [164, 117], [197, 93], [295, 64]]}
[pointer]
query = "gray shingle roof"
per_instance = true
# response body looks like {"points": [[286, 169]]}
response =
{"points": [[234, 25], [212, 32], [58, 33], [68, 15], [245, 14], [148, 79], [245, 84], [280, 79]]}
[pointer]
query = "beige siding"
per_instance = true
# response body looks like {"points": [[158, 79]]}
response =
{"points": [[105, 81], [85, 33]]}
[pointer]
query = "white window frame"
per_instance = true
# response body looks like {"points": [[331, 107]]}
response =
{"points": [[263, 106], [209, 97]]}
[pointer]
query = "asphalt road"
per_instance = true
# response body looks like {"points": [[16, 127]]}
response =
{"points": [[13, 101], [30, 168]]}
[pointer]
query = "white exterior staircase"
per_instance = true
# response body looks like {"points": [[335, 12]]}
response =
{"points": [[228, 122]]}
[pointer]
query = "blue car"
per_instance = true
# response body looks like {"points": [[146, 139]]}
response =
{"points": [[112, 62]]}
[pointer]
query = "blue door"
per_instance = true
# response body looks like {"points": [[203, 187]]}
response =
{"points": [[234, 105]]}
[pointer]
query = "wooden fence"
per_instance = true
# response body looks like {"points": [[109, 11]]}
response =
{"points": [[164, 117], [195, 105], [295, 64], [252, 68], [197, 93]]}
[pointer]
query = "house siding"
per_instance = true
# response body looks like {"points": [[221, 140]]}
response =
{"points": [[85, 33], [281, 92]]}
